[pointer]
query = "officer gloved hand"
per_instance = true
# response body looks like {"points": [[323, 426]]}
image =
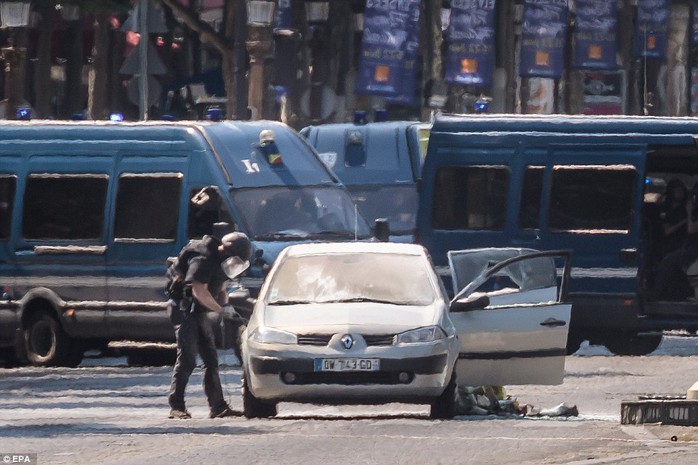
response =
{"points": [[229, 312]]}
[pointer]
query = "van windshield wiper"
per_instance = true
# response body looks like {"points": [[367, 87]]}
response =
{"points": [[340, 234], [290, 234]]}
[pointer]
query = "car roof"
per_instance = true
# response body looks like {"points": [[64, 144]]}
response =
{"points": [[321, 248]]}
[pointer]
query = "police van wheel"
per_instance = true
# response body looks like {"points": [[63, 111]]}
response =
{"points": [[632, 344], [47, 344], [253, 407], [574, 341]]}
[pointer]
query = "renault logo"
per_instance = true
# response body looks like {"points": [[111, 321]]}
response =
{"points": [[347, 341]]}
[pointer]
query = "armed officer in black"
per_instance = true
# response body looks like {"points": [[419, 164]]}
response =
{"points": [[206, 276]]}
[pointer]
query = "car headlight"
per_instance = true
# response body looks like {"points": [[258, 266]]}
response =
{"points": [[273, 336], [428, 334]]}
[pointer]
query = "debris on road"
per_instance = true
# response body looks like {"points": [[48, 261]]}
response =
{"points": [[492, 400]]}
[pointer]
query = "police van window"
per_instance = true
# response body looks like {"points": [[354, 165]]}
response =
{"points": [[147, 206], [577, 193], [529, 211], [8, 185], [471, 197], [206, 208], [64, 206]]}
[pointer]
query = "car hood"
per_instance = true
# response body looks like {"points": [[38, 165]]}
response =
{"points": [[371, 318]]}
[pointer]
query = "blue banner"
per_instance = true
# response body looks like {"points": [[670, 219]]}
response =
{"points": [[595, 35], [652, 25], [409, 68], [471, 43], [544, 35], [389, 49], [694, 38]]}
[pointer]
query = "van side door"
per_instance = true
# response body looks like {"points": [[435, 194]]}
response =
{"points": [[587, 197], [60, 251], [148, 202]]}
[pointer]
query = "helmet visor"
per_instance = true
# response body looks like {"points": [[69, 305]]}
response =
{"points": [[234, 266]]}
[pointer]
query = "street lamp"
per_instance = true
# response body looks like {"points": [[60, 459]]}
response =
{"points": [[260, 14], [317, 12], [14, 14]]}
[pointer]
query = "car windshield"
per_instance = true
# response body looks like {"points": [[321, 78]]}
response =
{"points": [[358, 277], [398, 204], [308, 212]]}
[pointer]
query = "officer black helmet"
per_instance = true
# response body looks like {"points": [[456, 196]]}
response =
{"points": [[236, 244]]}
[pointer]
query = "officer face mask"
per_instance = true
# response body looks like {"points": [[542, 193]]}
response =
{"points": [[234, 266]]}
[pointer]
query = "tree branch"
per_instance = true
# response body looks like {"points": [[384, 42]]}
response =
{"points": [[206, 33]]}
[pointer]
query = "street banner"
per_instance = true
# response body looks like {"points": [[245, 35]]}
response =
{"points": [[471, 43], [544, 35], [652, 26], [407, 96], [694, 36], [595, 35], [389, 49]]}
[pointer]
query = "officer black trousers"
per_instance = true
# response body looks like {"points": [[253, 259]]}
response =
{"points": [[195, 335]]}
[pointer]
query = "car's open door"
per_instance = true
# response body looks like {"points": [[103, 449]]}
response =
{"points": [[511, 317]]}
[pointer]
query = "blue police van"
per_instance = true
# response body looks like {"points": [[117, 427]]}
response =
{"points": [[91, 211], [594, 185], [380, 164]]}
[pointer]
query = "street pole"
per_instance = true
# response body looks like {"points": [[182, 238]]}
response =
{"points": [[258, 45], [14, 78], [143, 58]]}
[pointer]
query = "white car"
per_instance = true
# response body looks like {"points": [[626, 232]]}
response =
{"points": [[370, 322]]}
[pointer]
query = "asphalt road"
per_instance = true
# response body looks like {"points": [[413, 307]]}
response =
{"points": [[104, 412]]}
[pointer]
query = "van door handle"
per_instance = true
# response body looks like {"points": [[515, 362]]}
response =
{"points": [[70, 249], [553, 322]]}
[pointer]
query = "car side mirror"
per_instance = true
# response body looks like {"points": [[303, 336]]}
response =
{"points": [[470, 304]]}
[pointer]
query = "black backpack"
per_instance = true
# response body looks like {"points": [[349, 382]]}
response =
{"points": [[177, 268]]}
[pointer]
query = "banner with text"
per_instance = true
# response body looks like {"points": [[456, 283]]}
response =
{"points": [[471, 43], [595, 35], [389, 49], [652, 26], [544, 34]]}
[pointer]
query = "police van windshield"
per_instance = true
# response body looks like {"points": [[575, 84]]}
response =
{"points": [[308, 212], [397, 204]]}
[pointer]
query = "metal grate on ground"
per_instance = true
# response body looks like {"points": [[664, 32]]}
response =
{"points": [[666, 410]]}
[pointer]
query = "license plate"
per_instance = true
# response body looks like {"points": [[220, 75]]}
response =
{"points": [[347, 364]]}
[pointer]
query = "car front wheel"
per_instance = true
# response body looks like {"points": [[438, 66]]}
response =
{"points": [[444, 407], [253, 407]]}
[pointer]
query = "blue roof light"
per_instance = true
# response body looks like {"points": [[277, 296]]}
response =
{"points": [[214, 114], [116, 117], [24, 113]]}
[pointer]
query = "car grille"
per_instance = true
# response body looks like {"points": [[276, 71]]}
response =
{"points": [[379, 339], [314, 339], [324, 339], [349, 378]]}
